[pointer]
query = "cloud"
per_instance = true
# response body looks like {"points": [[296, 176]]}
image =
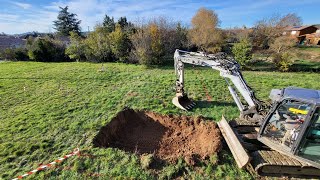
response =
{"points": [[90, 12], [22, 5], [9, 17]]}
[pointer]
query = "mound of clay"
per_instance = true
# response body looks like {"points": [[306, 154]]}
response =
{"points": [[168, 137]]}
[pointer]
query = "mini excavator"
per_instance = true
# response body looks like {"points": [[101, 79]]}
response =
{"points": [[280, 139]]}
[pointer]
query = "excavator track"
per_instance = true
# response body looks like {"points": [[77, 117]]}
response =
{"points": [[265, 161], [273, 163]]}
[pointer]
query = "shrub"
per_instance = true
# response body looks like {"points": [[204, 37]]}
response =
{"points": [[15, 54], [21, 54], [46, 50], [8, 54], [155, 41], [98, 46], [149, 45], [281, 48], [141, 41], [242, 52], [76, 48], [282, 44], [283, 61]]}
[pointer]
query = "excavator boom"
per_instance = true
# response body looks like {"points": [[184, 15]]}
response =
{"points": [[229, 70]]}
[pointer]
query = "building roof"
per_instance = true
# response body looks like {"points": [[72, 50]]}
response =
{"points": [[299, 28]]}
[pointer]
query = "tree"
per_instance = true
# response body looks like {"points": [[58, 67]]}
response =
{"points": [[126, 25], [141, 41], [98, 46], [120, 44], [157, 46], [123, 22], [268, 29], [181, 36], [204, 32], [290, 19], [108, 23], [76, 48], [242, 52], [67, 22]]}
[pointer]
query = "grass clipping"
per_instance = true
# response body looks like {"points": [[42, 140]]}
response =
{"points": [[167, 137]]}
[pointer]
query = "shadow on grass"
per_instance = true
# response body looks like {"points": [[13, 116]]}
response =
{"points": [[303, 65], [212, 104], [298, 66]]}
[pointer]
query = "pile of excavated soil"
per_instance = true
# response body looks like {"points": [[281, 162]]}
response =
{"points": [[168, 137]]}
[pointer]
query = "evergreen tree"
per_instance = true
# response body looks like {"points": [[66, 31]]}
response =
{"points": [[108, 24], [125, 25], [123, 22], [181, 36], [67, 22]]}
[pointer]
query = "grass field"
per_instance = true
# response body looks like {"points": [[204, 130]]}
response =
{"points": [[48, 109]]}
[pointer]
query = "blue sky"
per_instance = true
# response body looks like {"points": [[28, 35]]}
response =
{"points": [[17, 16]]}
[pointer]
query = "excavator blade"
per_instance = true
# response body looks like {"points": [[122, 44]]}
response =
{"points": [[239, 153], [183, 102]]}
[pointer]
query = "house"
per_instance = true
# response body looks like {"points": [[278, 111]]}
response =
{"points": [[305, 35]]}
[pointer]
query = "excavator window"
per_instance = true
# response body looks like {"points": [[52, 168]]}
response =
{"points": [[284, 126], [311, 146]]}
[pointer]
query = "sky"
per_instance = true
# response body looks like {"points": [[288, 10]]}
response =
{"points": [[17, 16]]}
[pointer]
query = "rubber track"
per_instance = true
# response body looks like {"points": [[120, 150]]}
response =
{"points": [[273, 163]]}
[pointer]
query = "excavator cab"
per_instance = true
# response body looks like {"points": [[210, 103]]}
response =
{"points": [[292, 127]]}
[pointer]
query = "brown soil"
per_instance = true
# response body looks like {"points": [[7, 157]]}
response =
{"points": [[168, 137]]}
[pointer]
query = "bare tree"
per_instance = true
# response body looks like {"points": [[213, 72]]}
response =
{"points": [[268, 29], [204, 32], [290, 19]]}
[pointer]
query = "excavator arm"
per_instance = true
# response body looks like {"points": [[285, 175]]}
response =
{"points": [[229, 69]]}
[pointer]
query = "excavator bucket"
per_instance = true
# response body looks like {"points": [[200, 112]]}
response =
{"points": [[183, 102], [239, 153]]}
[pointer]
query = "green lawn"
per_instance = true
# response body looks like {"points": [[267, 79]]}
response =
{"points": [[48, 109], [310, 49]]}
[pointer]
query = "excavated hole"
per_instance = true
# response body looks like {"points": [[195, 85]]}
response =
{"points": [[168, 137]]}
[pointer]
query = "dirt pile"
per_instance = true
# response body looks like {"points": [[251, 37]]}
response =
{"points": [[169, 137]]}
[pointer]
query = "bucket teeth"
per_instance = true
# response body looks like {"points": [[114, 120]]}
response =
{"points": [[183, 102]]}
